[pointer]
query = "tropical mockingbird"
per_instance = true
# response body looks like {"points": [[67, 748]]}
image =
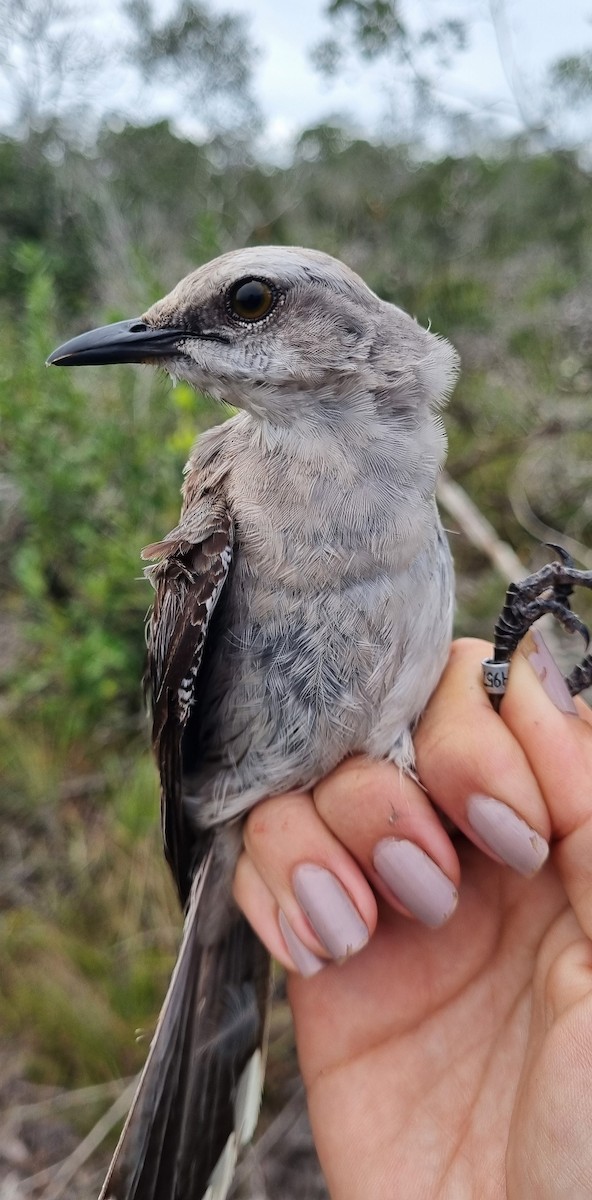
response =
{"points": [[302, 613]]}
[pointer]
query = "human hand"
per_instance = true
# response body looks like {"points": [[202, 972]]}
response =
{"points": [[444, 1062]]}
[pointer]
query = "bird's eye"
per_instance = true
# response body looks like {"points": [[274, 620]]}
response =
{"points": [[251, 300]]}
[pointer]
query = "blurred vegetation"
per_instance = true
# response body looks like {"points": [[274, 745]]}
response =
{"points": [[492, 246]]}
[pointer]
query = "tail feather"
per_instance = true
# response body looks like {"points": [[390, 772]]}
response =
{"points": [[199, 1093]]}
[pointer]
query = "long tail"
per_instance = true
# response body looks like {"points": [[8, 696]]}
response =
{"points": [[199, 1094]]}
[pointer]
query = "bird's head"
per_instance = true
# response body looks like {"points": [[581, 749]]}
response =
{"points": [[258, 326]]}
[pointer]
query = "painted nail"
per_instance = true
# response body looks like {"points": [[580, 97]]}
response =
{"points": [[416, 880], [335, 920], [507, 834], [545, 668], [307, 963]]}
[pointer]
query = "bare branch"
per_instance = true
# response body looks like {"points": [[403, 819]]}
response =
{"points": [[481, 534], [478, 530]]}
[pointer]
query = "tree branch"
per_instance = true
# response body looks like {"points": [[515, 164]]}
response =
{"points": [[478, 530]]}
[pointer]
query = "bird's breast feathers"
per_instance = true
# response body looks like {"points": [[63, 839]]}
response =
{"points": [[320, 642]]}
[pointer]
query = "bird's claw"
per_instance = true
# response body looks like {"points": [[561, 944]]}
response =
{"points": [[546, 591]]}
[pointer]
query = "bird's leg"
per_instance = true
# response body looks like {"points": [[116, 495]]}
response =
{"points": [[546, 591]]}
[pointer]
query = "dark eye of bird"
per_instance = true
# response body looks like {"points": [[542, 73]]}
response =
{"points": [[251, 300]]}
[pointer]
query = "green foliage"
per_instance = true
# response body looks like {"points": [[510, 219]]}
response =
{"points": [[192, 37], [493, 250], [77, 977], [39, 210], [573, 76], [98, 462], [374, 24]]}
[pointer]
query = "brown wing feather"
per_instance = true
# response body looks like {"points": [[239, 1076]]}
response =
{"points": [[188, 579], [188, 1101], [198, 1096]]}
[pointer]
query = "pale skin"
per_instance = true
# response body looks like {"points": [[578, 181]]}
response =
{"points": [[450, 1063]]}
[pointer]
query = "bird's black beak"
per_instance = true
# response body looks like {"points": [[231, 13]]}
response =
{"points": [[124, 342]]}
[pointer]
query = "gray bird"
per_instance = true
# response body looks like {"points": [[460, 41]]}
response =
{"points": [[303, 613]]}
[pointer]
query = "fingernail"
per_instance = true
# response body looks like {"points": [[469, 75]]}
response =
{"points": [[507, 834], [335, 920], [545, 668], [307, 963], [416, 881]]}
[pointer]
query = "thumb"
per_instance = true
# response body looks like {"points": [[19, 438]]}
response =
{"points": [[555, 733]]}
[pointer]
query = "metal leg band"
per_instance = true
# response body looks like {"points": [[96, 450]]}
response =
{"points": [[495, 676]]}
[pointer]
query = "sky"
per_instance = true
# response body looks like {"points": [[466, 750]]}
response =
{"points": [[293, 96], [373, 98]]}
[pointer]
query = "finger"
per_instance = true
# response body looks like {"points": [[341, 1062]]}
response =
{"points": [[260, 908], [556, 736], [477, 770], [387, 823], [541, 714], [315, 882]]}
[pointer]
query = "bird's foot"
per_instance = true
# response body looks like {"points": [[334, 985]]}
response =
{"points": [[547, 591]]}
